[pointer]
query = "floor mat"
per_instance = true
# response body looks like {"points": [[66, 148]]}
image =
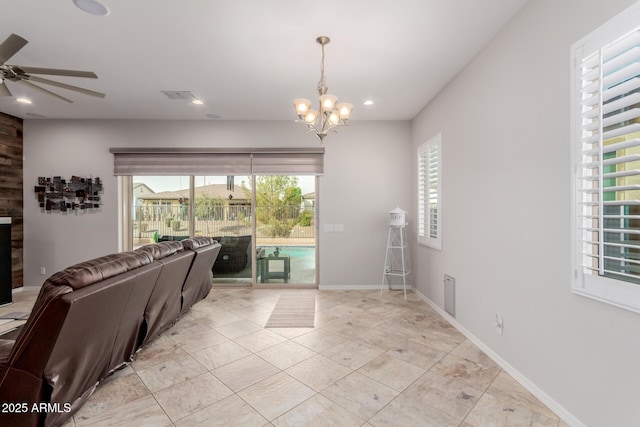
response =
{"points": [[294, 309]]}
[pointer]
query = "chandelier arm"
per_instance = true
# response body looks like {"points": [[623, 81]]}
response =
{"points": [[323, 118], [312, 128]]}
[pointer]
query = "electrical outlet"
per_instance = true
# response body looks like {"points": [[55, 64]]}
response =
{"points": [[499, 325], [43, 271]]}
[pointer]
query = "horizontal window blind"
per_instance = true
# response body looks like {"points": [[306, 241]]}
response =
{"points": [[609, 179], [203, 161], [291, 163]]}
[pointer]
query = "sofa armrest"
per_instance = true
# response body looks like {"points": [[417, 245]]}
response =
{"points": [[17, 386]]}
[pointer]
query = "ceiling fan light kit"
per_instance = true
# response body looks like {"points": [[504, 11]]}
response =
{"points": [[23, 75], [330, 114]]}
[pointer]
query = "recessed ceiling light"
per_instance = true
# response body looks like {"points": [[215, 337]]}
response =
{"points": [[24, 100], [197, 102], [92, 7], [368, 102]]}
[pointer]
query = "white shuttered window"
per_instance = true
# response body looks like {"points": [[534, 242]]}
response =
{"points": [[430, 193], [606, 134]]}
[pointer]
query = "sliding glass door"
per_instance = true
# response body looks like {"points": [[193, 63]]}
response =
{"points": [[286, 229], [266, 223], [222, 210]]}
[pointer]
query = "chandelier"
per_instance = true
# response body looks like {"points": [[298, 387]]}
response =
{"points": [[330, 114]]}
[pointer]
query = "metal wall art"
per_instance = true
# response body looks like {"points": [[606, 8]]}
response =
{"points": [[57, 194]]}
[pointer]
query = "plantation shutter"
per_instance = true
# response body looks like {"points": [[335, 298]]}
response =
{"points": [[207, 161], [609, 166], [423, 162], [434, 190], [429, 193]]}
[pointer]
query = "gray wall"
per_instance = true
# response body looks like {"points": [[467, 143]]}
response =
{"points": [[507, 217], [365, 177]]}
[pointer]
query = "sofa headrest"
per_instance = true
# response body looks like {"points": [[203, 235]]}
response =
{"points": [[162, 249], [197, 242], [95, 270], [241, 242]]}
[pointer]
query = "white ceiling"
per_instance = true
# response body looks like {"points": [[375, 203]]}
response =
{"points": [[246, 59]]}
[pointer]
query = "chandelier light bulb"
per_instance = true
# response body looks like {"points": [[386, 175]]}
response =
{"points": [[328, 101], [344, 109], [334, 117], [311, 116], [302, 106]]}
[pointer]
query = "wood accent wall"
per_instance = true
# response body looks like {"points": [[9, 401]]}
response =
{"points": [[11, 195]]}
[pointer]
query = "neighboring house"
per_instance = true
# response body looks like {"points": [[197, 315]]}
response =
{"points": [[153, 207], [139, 189], [309, 201]]}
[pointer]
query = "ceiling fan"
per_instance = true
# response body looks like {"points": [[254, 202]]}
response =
{"points": [[21, 74]]}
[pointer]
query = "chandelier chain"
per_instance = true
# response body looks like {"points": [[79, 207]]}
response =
{"points": [[321, 83]]}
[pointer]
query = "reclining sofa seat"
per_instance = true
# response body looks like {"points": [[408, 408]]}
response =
{"points": [[82, 327], [198, 282], [165, 302]]}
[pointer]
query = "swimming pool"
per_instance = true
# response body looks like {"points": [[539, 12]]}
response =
{"points": [[292, 251], [302, 257]]}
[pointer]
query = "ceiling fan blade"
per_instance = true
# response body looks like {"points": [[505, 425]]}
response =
{"points": [[4, 90], [10, 47], [66, 86], [57, 72], [41, 89]]}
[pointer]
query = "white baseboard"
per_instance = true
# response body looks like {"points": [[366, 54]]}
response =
{"points": [[359, 287], [559, 410], [348, 287]]}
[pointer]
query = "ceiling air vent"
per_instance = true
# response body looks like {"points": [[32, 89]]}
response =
{"points": [[179, 94]]}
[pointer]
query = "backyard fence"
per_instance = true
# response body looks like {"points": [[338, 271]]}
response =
{"points": [[272, 221]]}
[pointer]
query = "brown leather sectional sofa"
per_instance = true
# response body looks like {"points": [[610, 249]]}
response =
{"points": [[90, 319]]}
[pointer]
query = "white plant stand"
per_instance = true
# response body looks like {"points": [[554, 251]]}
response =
{"points": [[396, 261]]}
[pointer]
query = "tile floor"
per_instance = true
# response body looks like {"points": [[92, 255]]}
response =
{"points": [[371, 360]]}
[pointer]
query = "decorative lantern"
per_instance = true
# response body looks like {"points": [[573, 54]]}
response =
{"points": [[397, 218]]}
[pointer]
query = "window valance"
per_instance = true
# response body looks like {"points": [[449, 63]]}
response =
{"points": [[218, 161]]}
